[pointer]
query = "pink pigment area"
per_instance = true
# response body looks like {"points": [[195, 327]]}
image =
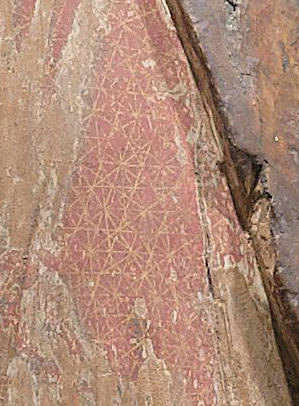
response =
{"points": [[62, 25], [131, 228], [24, 10]]}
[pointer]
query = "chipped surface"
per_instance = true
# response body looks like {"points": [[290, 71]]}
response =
{"points": [[248, 50]]}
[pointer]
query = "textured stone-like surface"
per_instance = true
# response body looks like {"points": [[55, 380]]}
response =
{"points": [[251, 50], [125, 276]]}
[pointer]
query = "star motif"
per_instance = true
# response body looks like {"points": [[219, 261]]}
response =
{"points": [[131, 228]]}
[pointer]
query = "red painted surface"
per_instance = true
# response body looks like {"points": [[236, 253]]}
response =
{"points": [[24, 10], [131, 227], [136, 224], [63, 25]]}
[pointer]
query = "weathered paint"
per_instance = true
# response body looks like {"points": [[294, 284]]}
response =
{"points": [[115, 218]]}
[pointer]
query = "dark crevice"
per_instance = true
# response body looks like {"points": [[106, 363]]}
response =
{"points": [[242, 170], [237, 165], [208, 269], [207, 239], [245, 174], [248, 172], [232, 4]]}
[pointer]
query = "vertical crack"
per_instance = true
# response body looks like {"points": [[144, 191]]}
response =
{"points": [[204, 220]]}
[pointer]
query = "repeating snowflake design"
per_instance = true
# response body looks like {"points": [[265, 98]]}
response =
{"points": [[131, 228]]}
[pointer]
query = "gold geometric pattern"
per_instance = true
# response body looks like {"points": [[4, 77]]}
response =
{"points": [[131, 228]]}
